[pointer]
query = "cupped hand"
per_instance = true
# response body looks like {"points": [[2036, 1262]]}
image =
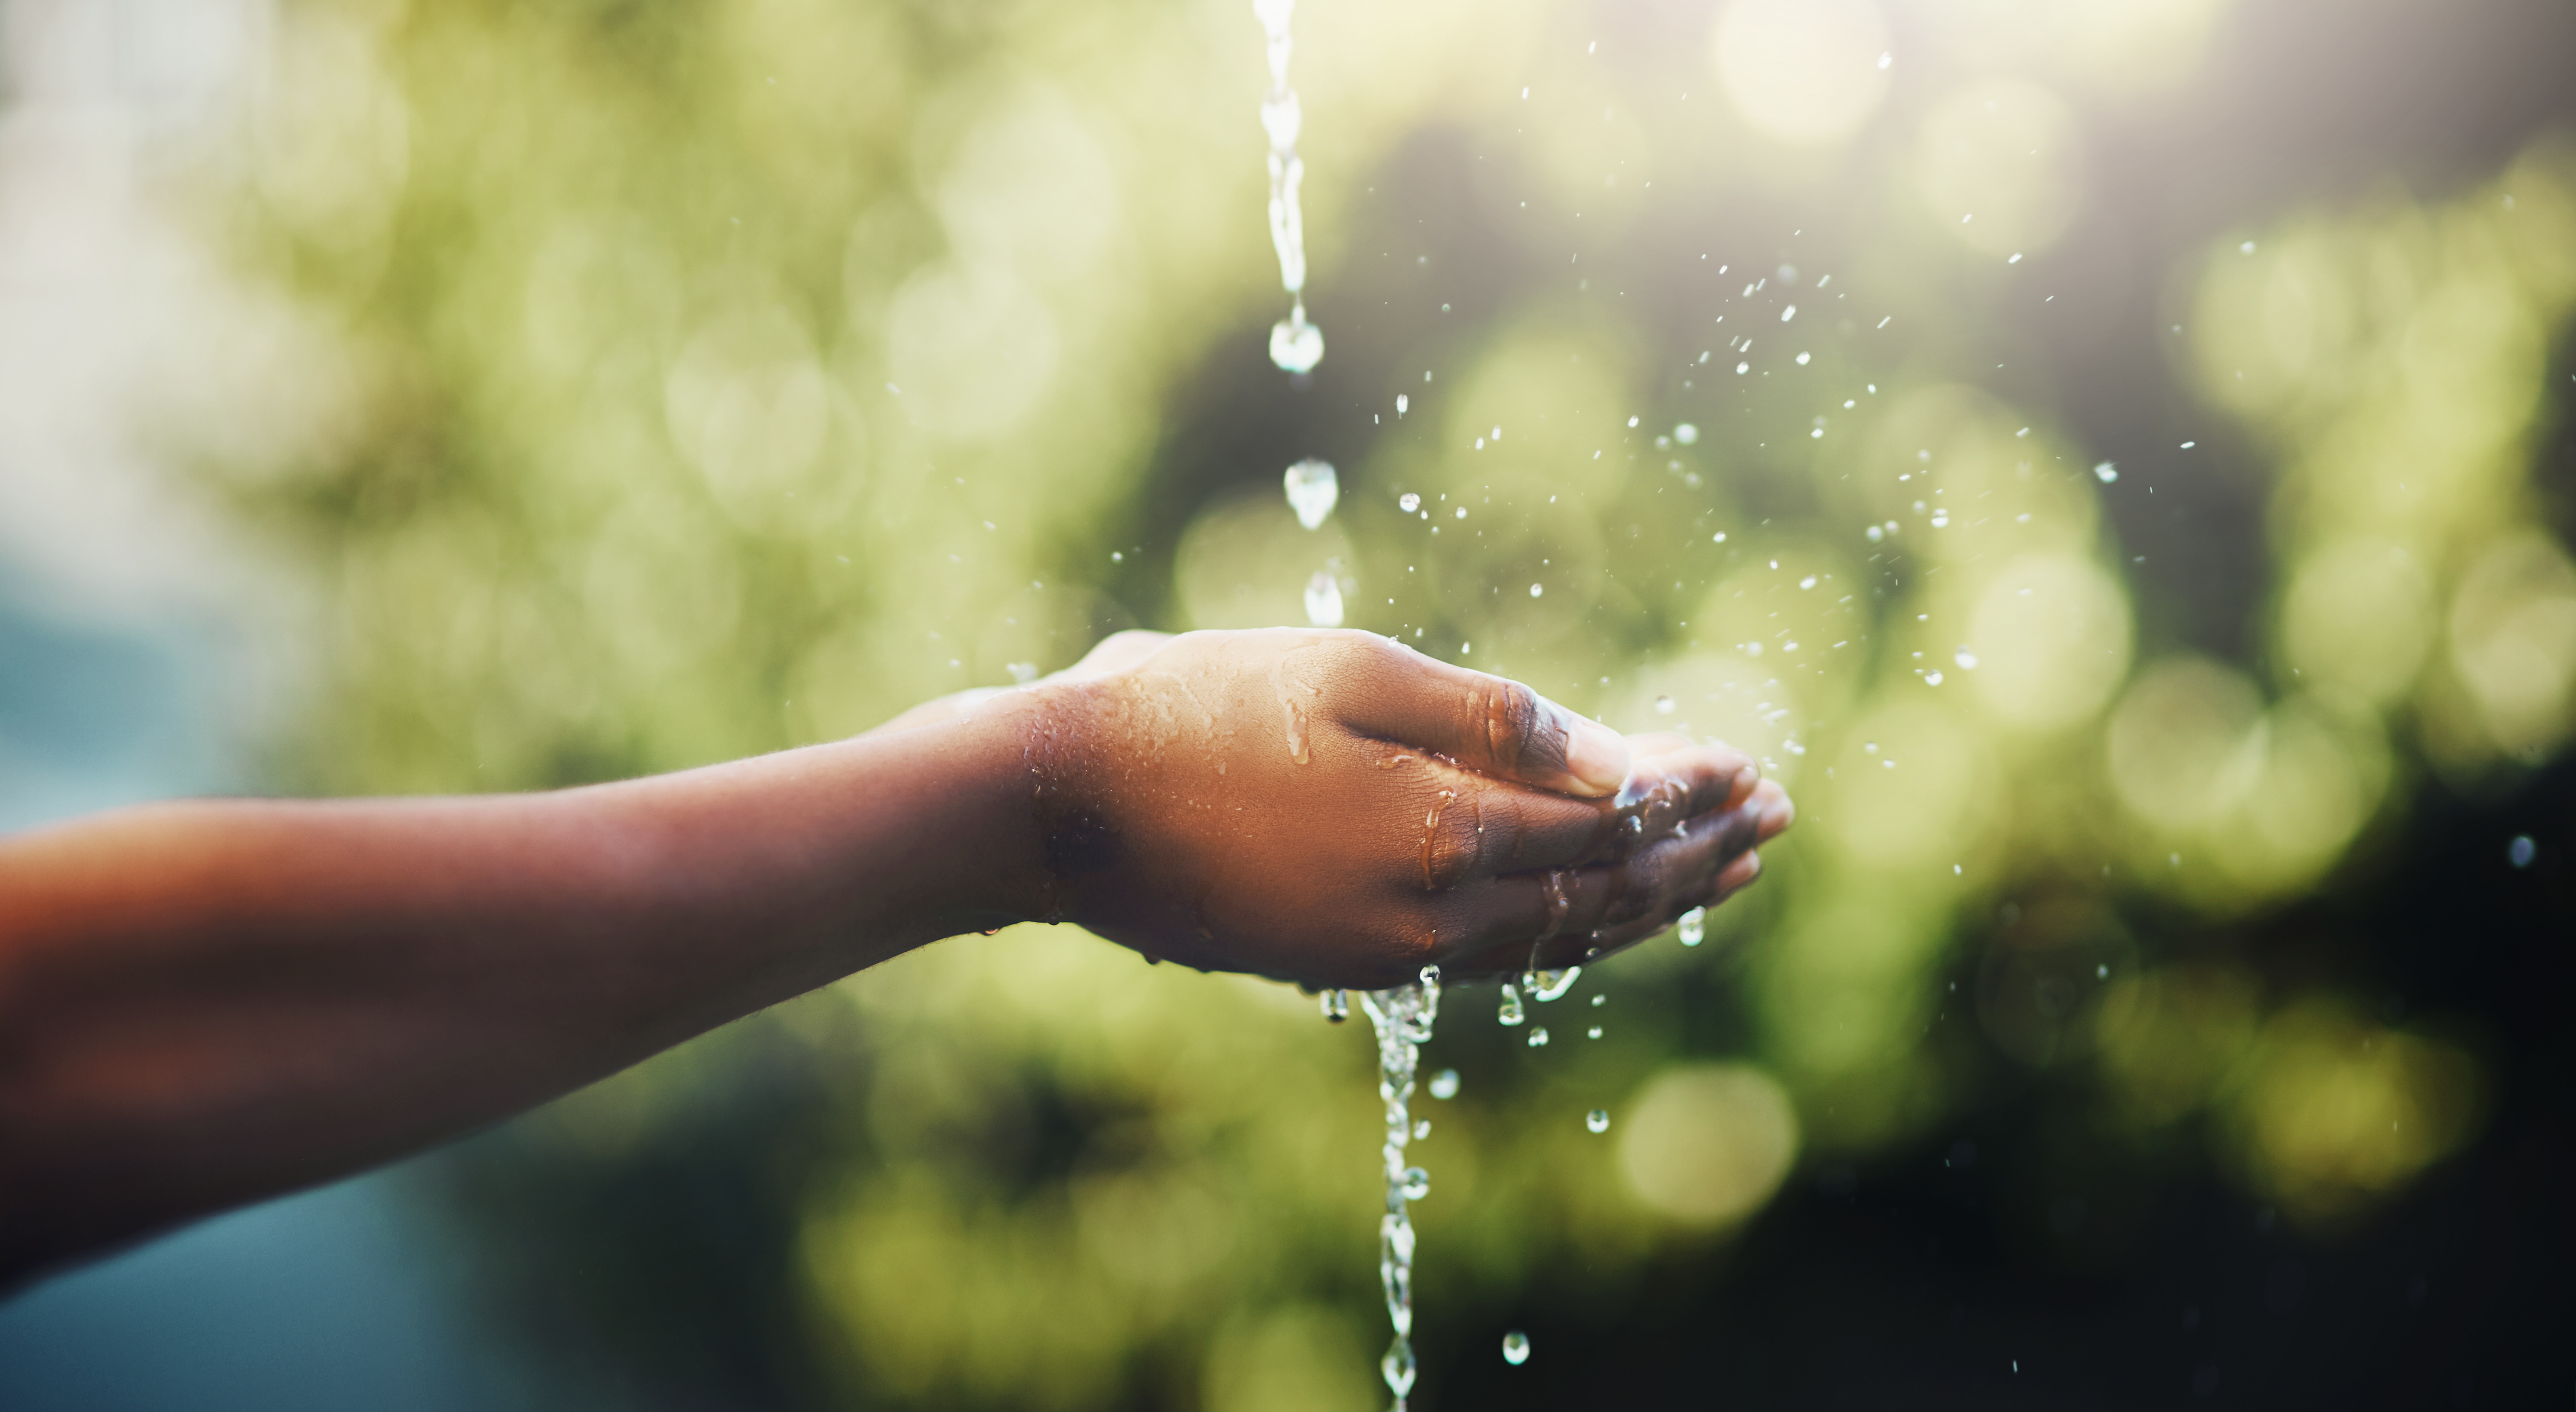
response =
{"points": [[1337, 809]]}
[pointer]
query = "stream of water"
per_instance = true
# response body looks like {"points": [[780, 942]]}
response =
{"points": [[1403, 1017], [1295, 345]]}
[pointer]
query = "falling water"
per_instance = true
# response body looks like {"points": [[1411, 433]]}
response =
{"points": [[1403, 1017], [1295, 345]]}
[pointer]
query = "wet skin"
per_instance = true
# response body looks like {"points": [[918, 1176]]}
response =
{"points": [[211, 1002], [1337, 809]]}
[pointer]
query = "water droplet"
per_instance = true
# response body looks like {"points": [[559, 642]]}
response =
{"points": [[1408, 502], [1665, 706], [1421, 1129], [1550, 985], [2521, 851], [1966, 659], [1312, 491], [1462, 512], [1296, 345], [1687, 434], [1940, 519], [1402, 404], [1398, 1367], [1743, 368], [1803, 357], [1022, 672], [1337, 1005], [1516, 1348], [1538, 1037], [1598, 1120], [1786, 315], [1593, 1033], [1808, 582], [1511, 1012], [1444, 1085], [1324, 600], [1600, 1000], [1932, 678], [2107, 471], [1417, 1183], [1876, 534], [1535, 590], [1694, 926]]}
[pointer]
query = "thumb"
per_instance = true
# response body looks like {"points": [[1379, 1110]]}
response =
{"points": [[1487, 723]]}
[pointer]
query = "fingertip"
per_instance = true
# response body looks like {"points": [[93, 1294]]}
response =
{"points": [[1778, 811], [1741, 872]]}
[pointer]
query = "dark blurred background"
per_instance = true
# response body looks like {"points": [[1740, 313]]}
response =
{"points": [[2136, 528]]}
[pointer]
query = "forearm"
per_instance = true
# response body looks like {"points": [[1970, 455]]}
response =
{"points": [[202, 1004]]}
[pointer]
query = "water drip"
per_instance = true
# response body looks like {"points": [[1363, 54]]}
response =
{"points": [[1295, 345], [1324, 600], [1552, 888], [1313, 489], [1403, 1018]]}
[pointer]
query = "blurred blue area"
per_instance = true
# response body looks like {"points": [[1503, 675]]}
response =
{"points": [[345, 1297], [332, 1299]]}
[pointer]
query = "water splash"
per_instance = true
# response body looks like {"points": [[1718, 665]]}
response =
{"points": [[1403, 1017], [1548, 985], [1295, 345]]}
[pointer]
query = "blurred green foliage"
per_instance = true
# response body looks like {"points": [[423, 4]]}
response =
{"points": [[705, 378]]}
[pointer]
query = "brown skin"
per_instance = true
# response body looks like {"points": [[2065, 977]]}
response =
{"points": [[207, 1003]]}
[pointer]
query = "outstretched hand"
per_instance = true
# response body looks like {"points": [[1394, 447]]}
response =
{"points": [[1338, 809]]}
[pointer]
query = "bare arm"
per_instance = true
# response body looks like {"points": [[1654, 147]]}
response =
{"points": [[202, 1004]]}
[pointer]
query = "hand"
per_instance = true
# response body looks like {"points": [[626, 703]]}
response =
{"points": [[1337, 809]]}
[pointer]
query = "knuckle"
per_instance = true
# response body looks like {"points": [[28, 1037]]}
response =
{"points": [[1511, 722]]}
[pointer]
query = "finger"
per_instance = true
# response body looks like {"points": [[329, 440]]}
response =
{"points": [[1776, 810], [1646, 749], [1486, 723], [1478, 826], [1498, 920]]}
